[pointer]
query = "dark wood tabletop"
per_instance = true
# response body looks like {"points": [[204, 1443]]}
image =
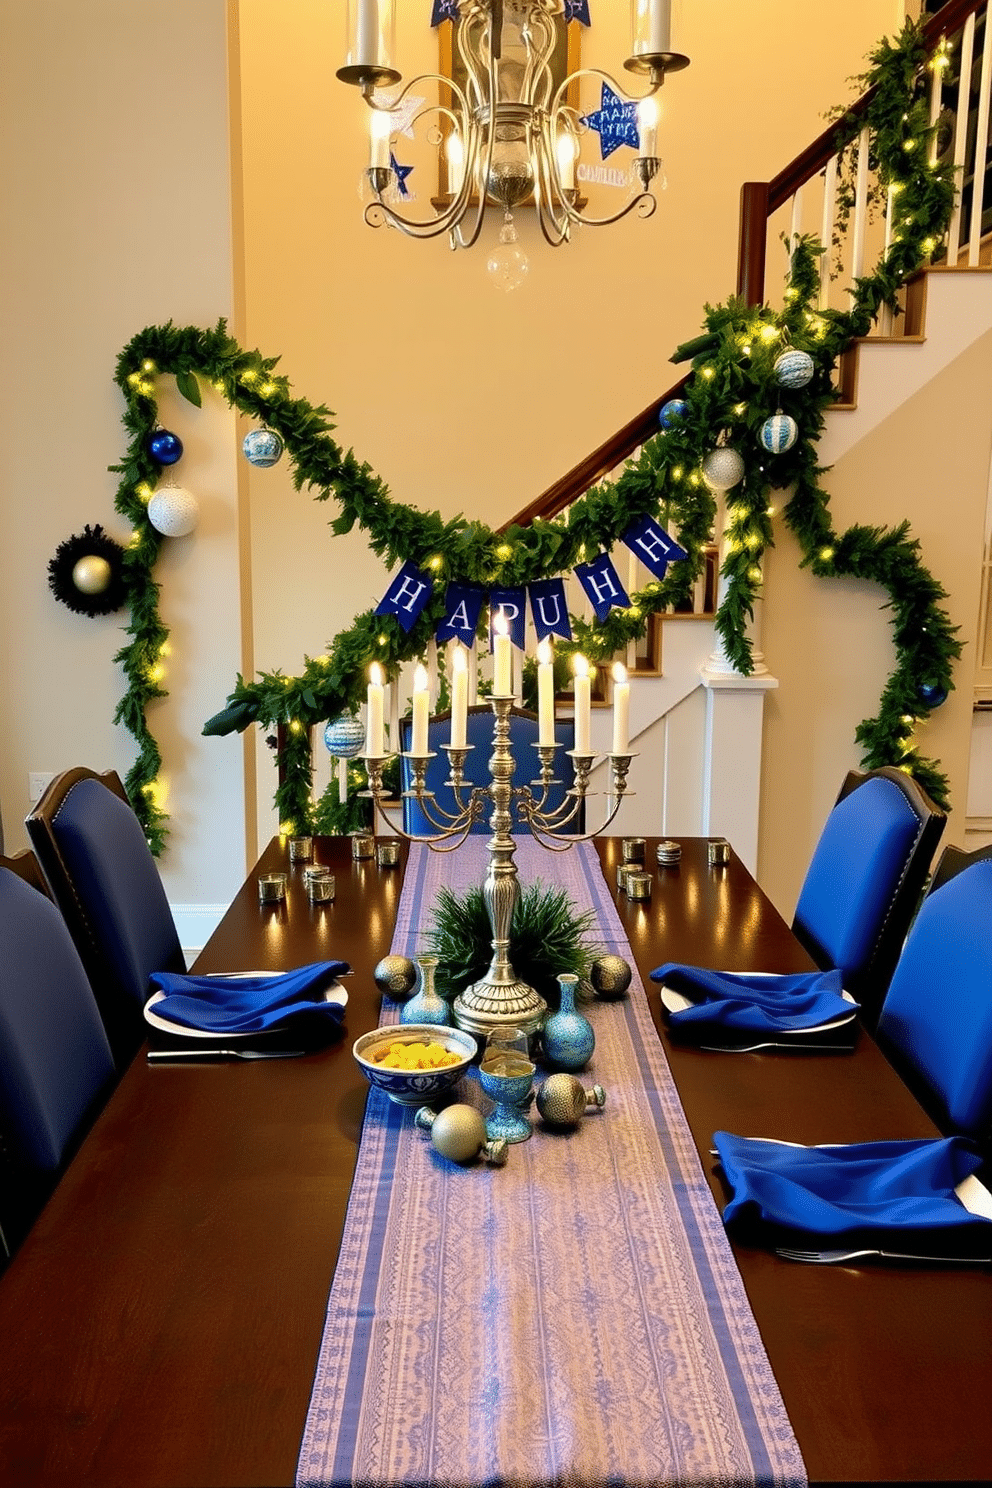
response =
{"points": [[160, 1324]]}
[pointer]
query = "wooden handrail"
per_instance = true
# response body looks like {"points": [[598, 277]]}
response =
{"points": [[759, 199]]}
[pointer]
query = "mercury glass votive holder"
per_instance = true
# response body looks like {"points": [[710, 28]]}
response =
{"points": [[638, 885], [301, 849], [321, 887], [718, 852], [362, 845], [633, 849], [387, 854], [271, 888]]}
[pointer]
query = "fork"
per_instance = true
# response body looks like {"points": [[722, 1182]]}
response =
{"points": [[178, 1056], [837, 1257]]}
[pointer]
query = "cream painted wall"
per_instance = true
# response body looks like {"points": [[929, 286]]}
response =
{"points": [[462, 398], [829, 643], [115, 173]]}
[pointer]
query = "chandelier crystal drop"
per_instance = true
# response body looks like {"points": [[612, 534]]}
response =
{"points": [[507, 125]]}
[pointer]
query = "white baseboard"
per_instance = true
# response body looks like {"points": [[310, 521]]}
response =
{"points": [[196, 923]]}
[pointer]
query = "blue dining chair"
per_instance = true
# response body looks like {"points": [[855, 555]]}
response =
{"points": [[479, 733], [936, 1020], [865, 879], [55, 1062], [104, 879]]}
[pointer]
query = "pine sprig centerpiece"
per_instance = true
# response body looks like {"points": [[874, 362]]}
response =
{"points": [[548, 937]]}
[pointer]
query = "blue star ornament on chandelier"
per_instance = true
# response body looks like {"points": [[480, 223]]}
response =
{"points": [[575, 10], [615, 122], [401, 172]]}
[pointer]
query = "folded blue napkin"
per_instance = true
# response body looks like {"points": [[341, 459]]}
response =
{"points": [[248, 1004], [860, 1193], [751, 1003]]}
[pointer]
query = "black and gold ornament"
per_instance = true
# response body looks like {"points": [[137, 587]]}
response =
{"points": [[87, 573]]}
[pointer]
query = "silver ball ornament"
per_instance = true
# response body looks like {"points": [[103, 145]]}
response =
{"points": [[173, 511], [722, 468], [610, 976], [562, 1100], [396, 976], [459, 1134], [91, 574]]}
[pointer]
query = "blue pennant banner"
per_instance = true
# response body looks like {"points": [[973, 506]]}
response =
{"points": [[512, 603], [462, 608], [444, 10], [615, 122], [578, 10], [652, 545], [602, 583], [548, 608], [406, 596]]}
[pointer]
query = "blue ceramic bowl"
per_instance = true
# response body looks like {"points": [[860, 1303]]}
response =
{"points": [[415, 1087]]}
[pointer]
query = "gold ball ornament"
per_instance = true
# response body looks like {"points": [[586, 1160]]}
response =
{"points": [[610, 976], [459, 1134], [396, 976], [91, 574], [562, 1100]]}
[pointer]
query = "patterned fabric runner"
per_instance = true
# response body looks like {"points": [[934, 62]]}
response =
{"points": [[573, 1318]]}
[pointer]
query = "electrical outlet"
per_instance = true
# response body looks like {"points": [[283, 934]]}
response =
{"points": [[37, 780]]}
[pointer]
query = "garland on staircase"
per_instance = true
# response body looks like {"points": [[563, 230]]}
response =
{"points": [[734, 399]]}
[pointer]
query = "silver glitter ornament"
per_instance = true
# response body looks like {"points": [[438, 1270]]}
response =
{"points": [[563, 1101], [396, 976], [610, 976]]}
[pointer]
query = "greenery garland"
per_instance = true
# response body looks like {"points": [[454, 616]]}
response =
{"points": [[731, 391]]}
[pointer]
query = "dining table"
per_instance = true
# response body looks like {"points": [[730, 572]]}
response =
{"points": [[162, 1322]]}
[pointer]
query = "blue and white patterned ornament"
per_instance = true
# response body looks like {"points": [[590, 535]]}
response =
{"points": [[344, 736], [931, 694], [164, 446], [722, 468], [778, 433], [671, 412], [794, 369], [261, 447]]}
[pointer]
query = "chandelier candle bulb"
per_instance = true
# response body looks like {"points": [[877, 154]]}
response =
{"points": [[370, 28], [421, 713], [459, 698], [565, 152], [621, 710], [374, 713], [502, 658], [379, 127], [647, 125], [545, 697], [583, 696], [651, 26]]}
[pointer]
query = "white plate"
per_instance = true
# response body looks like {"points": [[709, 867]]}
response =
{"points": [[677, 1002], [334, 993]]}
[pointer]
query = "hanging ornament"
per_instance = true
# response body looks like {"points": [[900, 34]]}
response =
{"points": [[164, 446], [173, 511], [87, 573], [261, 447], [931, 694], [794, 369], [671, 412], [722, 468], [778, 433], [344, 736]]}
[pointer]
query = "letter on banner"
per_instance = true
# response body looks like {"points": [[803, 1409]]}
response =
{"points": [[512, 604], [462, 607], [602, 583], [649, 541], [548, 608], [406, 596]]}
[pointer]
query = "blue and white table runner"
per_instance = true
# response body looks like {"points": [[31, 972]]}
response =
{"points": [[573, 1318]]}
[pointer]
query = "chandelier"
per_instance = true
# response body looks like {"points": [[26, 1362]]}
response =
{"points": [[506, 126]]}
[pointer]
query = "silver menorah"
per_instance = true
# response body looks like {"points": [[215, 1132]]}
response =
{"points": [[500, 998]]}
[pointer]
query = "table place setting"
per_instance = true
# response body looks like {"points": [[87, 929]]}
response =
{"points": [[742, 1012], [916, 1200], [245, 1014], [566, 1310]]}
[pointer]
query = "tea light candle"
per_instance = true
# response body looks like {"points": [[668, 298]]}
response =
{"points": [[621, 710], [421, 713], [374, 713], [545, 696], [502, 658], [582, 705], [459, 697], [271, 888]]}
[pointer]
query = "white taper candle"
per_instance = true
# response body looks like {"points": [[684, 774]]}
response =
{"points": [[459, 697], [421, 712], [373, 717], [583, 694], [545, 696], [621, 710]]}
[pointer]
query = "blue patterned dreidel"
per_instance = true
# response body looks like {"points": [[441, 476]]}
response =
{"points": [[506, 1074], [426, 1005], [567, 1035]]}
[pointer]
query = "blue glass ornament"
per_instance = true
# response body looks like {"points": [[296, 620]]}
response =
{"points": [[779, 433], [794, 369], [931, 694], [567, 1036], [344, 736], [165, 447], [261, 447], [671, 412]]}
